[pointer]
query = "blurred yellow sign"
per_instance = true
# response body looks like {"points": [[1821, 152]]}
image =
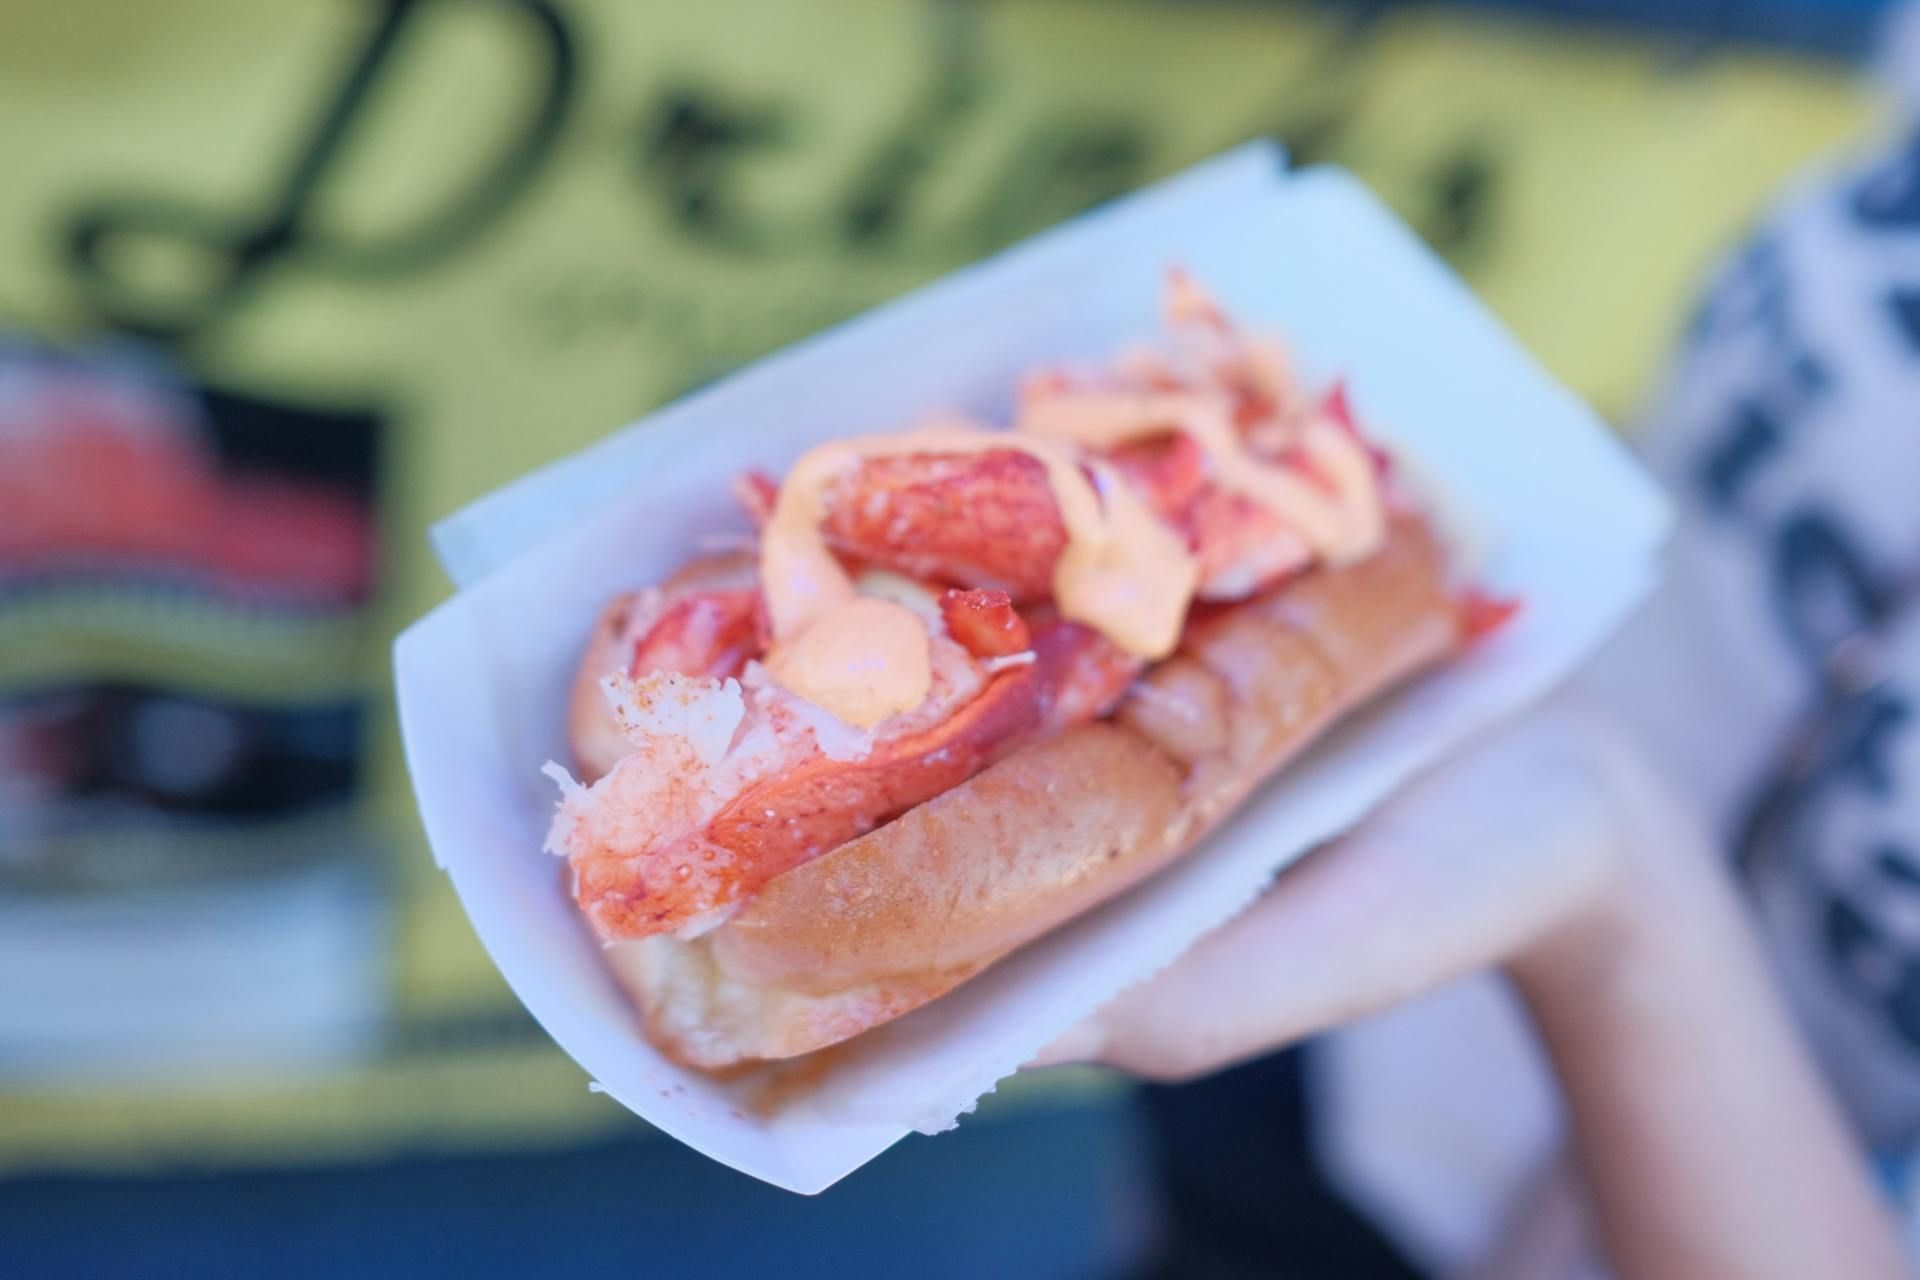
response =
{"points": [[514, 225]]}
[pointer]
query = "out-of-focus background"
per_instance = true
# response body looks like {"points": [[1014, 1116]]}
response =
{"points": [[281, 281]]}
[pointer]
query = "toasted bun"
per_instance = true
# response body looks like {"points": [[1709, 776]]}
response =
{"points": [[905, 913], [597, 741]]}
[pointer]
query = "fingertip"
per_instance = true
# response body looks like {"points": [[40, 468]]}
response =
{"points": [[1081, 1042]]}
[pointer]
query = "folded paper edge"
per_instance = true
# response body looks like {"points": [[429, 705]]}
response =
{"points": [[1652, 516], [407, 690]]}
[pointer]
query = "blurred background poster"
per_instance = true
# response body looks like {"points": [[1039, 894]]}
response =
{"points": [[184, 579], [283, 280]]}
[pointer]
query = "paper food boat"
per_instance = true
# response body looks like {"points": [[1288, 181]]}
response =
{"points": [[1572, 525]]}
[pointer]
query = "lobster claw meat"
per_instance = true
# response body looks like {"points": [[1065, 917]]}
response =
{"points": [[985, 520], [714, 831]]}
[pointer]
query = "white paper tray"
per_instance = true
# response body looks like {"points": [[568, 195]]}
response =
{"points": [[1574, 528]]}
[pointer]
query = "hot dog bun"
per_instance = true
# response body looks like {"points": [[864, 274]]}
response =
{"points": [[591, 729], [901, 915]]}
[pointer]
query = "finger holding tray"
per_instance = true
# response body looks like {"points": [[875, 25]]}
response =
{"points": [[1041, 575]]}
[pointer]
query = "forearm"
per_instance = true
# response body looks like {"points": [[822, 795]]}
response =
{"points": [[1709, 1144]]}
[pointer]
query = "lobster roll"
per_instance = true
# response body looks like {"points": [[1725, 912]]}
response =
{"points": [[973, 680]]}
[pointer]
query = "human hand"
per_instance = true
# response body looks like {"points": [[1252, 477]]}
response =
{"points": [[1513, 850]]}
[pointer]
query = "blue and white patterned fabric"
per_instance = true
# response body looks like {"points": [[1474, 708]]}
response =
{"points": [[1789, 433]]}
